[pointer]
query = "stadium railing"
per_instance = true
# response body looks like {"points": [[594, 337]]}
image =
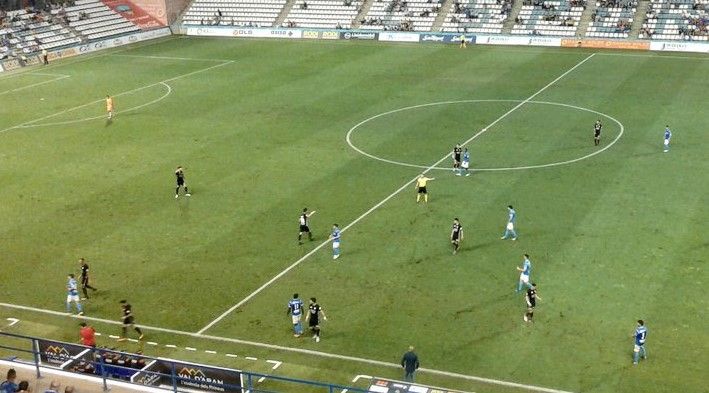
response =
{"points": [[149, 373]]}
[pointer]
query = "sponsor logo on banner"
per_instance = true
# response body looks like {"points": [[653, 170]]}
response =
{"points": [[330, 35], [447, 38], [545, 41], [605, 44], [33, 60], [235, 33], [57, 353], [311, 34], [351, 35], [386, 386], [10, 65], [680, 47], [398, 37], [502, 40], [432, 38]]}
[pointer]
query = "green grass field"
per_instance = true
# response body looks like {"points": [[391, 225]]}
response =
{"points": [[260, 127]]}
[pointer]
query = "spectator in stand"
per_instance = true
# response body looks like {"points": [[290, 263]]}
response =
{"points": [[53, 387], [9, 385], [23, 387]]}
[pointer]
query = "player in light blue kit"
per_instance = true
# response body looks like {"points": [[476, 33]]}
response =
{"points": [[335, 236], [295, 310], [465, 164], [524, 272], [72, 295], [668, 136], [510, 229], [640, 336]]}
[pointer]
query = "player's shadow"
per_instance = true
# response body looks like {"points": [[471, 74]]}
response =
{"points": [[109, 122], [184, 207]]}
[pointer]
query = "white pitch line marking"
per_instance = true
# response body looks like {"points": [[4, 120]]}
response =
{"points": [[190, 349], [261, 379], [151, 343], [171, 345], [385, 200], [12, 321], [21, 125], [97, 334], [170, 58], [210, 351], [355, 379], [34, 84], [275, 364], [112, 336], [167, 93], [132, 340], [310, 352], [251, 358], [231, 355], [352, 130]]}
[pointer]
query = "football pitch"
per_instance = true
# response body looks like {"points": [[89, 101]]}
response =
{"points": [[266, 128]]}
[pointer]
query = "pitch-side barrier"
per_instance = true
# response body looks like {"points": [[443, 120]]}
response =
{"points": [[444, 38]]}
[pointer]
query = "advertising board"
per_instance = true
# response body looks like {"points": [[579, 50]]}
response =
{"points": [[450, 38], [394, 36], [605, 44], [358, 35], [680, 46]]}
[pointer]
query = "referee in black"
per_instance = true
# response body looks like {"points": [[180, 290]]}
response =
{"points": [[597, 127], [85, 278], [410, 363]]}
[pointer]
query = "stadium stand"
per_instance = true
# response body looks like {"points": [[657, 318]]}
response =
{"points": [[549, 18], [26, 31], [677, 20], [93, 20], [401, 15], [250, 13], [323, 13], [612, 19], [477, 16]]}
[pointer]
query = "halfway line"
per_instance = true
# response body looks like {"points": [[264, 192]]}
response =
{"points": [[383, 201]]}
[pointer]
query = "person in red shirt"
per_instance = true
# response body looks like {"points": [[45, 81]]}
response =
{"points": [[88, 335]]}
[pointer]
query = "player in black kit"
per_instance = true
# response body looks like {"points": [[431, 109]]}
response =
{"points": [[180, 175], [531, 300], [85, 278], [456, 235], [304, 228], [313, 318], [597, 127], [128, 321], [457, 150]]}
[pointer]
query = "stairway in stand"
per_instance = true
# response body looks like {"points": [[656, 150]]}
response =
{"points": [[284, 13], [363, 10], [639, 18], [586, 19], [510, 21], [442, 13]]}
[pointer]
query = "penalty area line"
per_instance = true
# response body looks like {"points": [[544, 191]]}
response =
{"points": [[385, 200], [303, 351]]}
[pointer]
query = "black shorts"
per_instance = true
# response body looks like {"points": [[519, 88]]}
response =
{"points": [[422, 190], [456, 158], [304, 228], [455, 239], [127, 321], [84, 281], [312, 322], [180, 182], [597, 134]]}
